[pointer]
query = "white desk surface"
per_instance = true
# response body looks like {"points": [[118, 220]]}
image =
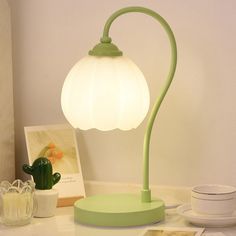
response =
{"points": [[62, 224]]}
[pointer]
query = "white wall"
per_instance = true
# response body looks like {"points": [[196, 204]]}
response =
{"points": [[194, 138], [7, 157]]}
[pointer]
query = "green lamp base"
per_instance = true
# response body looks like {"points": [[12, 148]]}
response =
{"points": [[118, 210]]}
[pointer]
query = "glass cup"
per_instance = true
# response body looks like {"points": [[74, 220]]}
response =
{"points": [[16, 202]]}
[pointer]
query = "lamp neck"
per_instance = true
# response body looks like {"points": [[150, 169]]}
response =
{"points": [[146, 193]]}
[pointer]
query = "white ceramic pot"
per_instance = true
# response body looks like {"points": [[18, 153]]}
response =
{"points": [[45, 202], [213, 199]]}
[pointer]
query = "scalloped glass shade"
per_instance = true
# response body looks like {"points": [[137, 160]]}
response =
{"points": [[105, 93]]}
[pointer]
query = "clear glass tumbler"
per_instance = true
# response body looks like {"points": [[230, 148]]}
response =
{"points": [[16, 202]]}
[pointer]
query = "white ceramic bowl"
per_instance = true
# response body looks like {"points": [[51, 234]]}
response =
{"points": [[213, 199]]}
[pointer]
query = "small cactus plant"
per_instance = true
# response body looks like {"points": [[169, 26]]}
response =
{"points": [[41, 170]]}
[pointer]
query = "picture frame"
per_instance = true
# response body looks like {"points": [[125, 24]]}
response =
{"points": [[175, 231], [58, 143]]}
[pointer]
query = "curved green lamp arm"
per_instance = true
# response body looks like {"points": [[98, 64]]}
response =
{"points": [[146, 192]]}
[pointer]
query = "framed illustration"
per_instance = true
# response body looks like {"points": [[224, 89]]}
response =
{"points": [[172, 231], [58, 144]]}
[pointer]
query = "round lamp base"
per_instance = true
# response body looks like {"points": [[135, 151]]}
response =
{"points": [[118, 210]]}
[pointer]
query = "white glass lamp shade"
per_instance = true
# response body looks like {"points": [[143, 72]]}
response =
{"points": [[105, 93]]}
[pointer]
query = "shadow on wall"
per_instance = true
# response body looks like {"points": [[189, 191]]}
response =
{"points": [[7, 158]]}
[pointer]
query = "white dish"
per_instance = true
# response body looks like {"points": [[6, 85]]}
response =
{"points": [[205, 220], [213, 192], [212, 199]]}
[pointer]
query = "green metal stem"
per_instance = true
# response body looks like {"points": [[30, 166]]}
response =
{"points": [[146, 193]]}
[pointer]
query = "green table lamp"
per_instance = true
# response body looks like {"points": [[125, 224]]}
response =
{"points": [[106, 90]]}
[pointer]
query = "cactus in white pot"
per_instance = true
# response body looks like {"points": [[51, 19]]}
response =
{"points": [[45, 195]]}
